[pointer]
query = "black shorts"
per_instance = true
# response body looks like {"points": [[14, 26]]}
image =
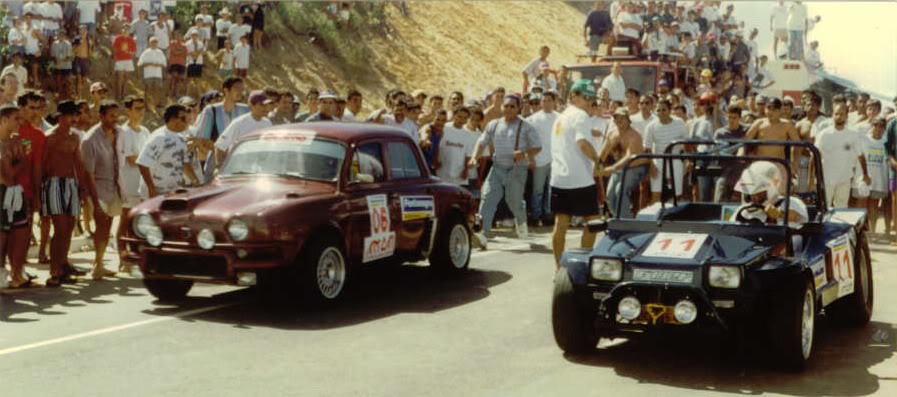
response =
{"points": [[576, 202], [82, 66], [221, 42], [194, 70], [179, 69]]}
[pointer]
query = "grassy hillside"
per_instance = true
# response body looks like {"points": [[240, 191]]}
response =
{"points": [[438, 47]]}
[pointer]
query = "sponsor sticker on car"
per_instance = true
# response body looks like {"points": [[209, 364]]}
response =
{"points": [[819, 278], [664, 276], [418, 207], [842, 264], [382, 241], [675, 245], [303, 137]]}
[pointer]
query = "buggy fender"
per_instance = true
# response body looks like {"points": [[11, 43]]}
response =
{"points": [[776, 273], [577, 264]]}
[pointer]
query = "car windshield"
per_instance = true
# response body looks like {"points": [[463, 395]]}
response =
{"points": [[716, 189], [289, 156], [641, 78]]}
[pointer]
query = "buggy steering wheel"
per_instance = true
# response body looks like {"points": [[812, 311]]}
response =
{"points": [[739, 217]]}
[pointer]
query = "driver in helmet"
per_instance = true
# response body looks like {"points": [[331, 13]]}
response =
{"points": [[761, 186]]}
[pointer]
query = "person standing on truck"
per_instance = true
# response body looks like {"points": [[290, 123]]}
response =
{"points": [[629, 25], [533, 68], [778, 23], [596, 28], [614, 83], [797, 29]]}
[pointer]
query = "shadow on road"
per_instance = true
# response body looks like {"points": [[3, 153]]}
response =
{"points": [[840, 364], [377, 294], [50, 301]]}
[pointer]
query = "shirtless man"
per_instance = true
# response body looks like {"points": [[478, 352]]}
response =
{"points": [[60, 189], [623, 143], [773, 128], [807, 129], [15, 230]]}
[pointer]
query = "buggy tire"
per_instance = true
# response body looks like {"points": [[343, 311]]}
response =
{"points": [[792, 325], [168, 290], [855, 309], [453, 246], [574, 331]]}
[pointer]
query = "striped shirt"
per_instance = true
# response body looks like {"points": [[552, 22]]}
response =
{"points": [[503, 137], [658, 135]]}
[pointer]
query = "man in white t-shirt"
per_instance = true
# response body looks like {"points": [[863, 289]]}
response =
{"points": [[797, 28], [52, 14], [838, 145], [245, 124], [165, 159], [628, 28], [543, 121], [645, 114], [222, 27], [239, 29], [778, 25], [615, 84], [658, 135], [573, 159], [398, 119], [161, 31], [453, 154], [131, 138], [532, 69], [152, 61], [87, 11]]}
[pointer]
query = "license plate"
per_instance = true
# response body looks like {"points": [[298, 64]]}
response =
{"points": [[664, 276]]}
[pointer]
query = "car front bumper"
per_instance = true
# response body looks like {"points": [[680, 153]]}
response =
{"points": [[220, 265]]}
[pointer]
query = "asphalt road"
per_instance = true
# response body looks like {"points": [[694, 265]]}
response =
{"points": [[402, 332]]}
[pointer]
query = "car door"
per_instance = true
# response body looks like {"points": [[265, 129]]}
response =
{"points": [[373, 222], [410, 197]]}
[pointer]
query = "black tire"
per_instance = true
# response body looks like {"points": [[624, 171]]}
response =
{"points": [[451, 253], [855, 310], [168, 290], [788, 326], [574, 331], [324, 257]]}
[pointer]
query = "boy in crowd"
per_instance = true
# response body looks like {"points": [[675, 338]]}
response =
{"points": [[153, 62]]}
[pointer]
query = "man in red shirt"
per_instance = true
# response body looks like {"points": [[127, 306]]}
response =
{"points": [[123, 50], [177, 65], [29, 175]]}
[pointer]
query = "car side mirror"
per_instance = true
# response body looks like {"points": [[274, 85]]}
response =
{"points": [[597, 225]]}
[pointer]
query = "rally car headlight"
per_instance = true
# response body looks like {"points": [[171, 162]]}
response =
{"points": [[206, 239], [629, 308], [142, 225], [154, 236], [238, 230], [607, 269], [725, 276]]}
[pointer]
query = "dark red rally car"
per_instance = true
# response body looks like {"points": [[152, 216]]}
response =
{"points": [[306, 204]]}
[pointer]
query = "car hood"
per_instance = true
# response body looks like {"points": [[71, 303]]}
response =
{"points": [[243, 196], [646, 248]]}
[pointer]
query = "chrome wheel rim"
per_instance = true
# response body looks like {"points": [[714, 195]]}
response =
{"points": [[808, 318], [331, 273], [459, 246]]}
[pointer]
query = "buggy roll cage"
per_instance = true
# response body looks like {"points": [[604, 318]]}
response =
{"points": [[723, 150]]}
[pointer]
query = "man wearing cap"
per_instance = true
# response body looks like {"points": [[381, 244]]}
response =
{"points": [[573, 159], [326, 107], [543, 121], [623, 143], [245, 124], [614, 83], [514, 142], [63, 174], [222, 26]]}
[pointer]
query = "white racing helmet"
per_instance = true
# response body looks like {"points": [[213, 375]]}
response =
{"points": [[758, 177]]}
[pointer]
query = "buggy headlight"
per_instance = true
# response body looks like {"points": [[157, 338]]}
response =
{"points": [[725, 276], [629, 308], [142, 225], [238, 230], [607, 269]]}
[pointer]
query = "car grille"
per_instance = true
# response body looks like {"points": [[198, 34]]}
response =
{"points": [[191, 265]]}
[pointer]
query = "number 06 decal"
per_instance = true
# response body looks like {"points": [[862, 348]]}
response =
{"points": [[675, 245]]}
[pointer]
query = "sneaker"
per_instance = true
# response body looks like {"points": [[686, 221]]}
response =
{"points": [[522, 230], [506, 223]]}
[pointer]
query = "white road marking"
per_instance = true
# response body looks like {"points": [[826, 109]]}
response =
{"points": [[188, 313], [111, 329]]}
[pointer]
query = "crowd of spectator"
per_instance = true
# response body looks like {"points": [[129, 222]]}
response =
{"points": [[551, 154]]}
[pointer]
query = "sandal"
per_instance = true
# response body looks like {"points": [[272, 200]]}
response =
{"points": [[71, 270], [43, 260], [27, 284], [98, 276]]}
